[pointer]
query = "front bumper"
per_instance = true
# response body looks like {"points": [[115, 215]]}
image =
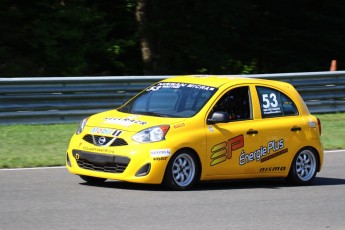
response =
{"points": [[132, 163]]}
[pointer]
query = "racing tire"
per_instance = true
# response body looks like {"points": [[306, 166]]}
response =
{"points": [[304, 167], [92, 180], [182, 171]]}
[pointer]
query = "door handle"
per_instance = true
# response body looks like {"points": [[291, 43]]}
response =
{"points": [[252, 132], [296, 128]]}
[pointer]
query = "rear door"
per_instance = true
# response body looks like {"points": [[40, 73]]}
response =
{"points": [[281, 131]]}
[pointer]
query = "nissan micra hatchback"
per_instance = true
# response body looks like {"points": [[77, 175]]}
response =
{"points": [[185, 129]]}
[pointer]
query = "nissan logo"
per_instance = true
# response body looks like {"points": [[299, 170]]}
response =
{"points": [[102, 140]]}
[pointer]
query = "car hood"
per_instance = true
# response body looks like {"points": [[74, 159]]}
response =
{"points": [[129, 122]]}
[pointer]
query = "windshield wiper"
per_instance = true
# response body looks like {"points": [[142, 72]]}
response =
{"points": [[124, 109], [150, 113]]}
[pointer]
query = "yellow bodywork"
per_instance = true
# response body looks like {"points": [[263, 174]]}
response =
{"points": [[224, 150]]}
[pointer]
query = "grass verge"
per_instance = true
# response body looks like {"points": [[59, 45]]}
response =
{"points": [[333, 130], [46, 145], [34, 145]]}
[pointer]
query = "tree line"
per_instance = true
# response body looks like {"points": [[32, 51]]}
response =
{"points": [[157, 37]]}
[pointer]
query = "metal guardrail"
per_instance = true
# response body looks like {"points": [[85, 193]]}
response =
{"points": [[323, 92], [69, 99]]}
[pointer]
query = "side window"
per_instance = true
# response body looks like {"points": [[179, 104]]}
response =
{"points": [[275, 104], [236, 103], [289, 107]]}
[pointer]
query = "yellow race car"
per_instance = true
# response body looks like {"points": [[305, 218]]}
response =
{"points": [[185, 129]]}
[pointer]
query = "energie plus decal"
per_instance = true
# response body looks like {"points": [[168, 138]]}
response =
{"points": [[264, 153], [223, 151]]}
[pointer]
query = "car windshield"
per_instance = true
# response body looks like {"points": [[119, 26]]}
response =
{"points": [[170, 99]]}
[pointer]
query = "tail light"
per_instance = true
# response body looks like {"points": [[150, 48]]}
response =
{"points": [[319, 124]]}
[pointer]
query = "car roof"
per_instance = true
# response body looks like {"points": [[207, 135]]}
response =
{"points": [[219, 80]]}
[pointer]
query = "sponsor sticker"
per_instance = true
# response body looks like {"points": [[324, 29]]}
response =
{"points": [[160, 153], [160, 158], [224, 150], [176, 85], [124, 121], [210, 128], [264, 153], [106, 131], [179, 125], [100, 150], [272, 169]]}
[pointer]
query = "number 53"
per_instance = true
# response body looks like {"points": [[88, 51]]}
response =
{"points": [[269, 101]]}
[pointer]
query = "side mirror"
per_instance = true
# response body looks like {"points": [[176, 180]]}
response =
{"points": [[219, 117]]}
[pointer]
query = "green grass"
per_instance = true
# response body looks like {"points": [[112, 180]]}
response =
{"points": [[333, 130], [46, 145], [34, 145]]}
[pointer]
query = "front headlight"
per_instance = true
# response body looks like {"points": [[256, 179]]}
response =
{"points": [[152, 134], [81, 126]]}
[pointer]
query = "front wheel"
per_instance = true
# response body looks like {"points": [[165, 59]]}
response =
{"points": [[182, 171], [304, 167]]}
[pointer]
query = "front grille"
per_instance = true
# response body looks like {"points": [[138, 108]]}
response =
{"points": [[95, 140], [101, 162], [119, 142]]}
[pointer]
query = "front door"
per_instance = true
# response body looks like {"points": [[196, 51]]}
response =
{"points": [[231, 145]]}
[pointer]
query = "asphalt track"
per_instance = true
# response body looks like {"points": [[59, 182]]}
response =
{"points": [[51, 198]]}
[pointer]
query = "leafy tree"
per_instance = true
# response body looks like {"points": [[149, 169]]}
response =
{"points": [[191, 36], [66, 38], [299, 36], [222, 37], [153, 37]]}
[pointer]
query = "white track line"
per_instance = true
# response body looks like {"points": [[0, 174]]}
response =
{"points": [[333, 151], [37, 168]]}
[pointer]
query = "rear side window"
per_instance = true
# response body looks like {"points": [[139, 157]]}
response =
{"points": [[275, 104]]}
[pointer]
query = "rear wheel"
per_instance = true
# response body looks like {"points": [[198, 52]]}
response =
{"points": [[92, 180], [182, 171], [304, 167]]}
